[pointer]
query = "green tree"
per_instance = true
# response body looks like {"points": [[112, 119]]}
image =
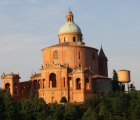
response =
{"points": [[2, 94], [93, 101], [90, 114], [103, 111], [40, 109], [27, 110], [55, 112], [8, 106], [72, 112], [115, 83]]}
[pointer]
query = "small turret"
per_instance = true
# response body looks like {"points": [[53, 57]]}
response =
{"points": [[102, 54], [10, 83], [102, 63], [69, 16]]}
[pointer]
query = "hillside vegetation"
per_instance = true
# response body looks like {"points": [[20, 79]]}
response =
{"points": [[116, 106]]}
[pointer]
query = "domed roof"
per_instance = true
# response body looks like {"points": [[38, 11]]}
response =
{"points": [[69, 27]]}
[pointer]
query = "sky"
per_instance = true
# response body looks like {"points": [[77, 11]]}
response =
{"points": [[27, 26]]}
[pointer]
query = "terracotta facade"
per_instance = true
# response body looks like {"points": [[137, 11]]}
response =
{"points": [[67, 71]]}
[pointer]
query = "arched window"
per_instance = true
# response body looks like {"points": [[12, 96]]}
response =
{"points": [[52, 80], [7, 87], [86, 83], [55, 54], [78, 84]]}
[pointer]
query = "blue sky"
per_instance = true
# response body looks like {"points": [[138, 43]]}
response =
{"points": [[27, 26]]}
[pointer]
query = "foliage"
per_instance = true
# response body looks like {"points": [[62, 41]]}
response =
{"points": [[90, 114], [115, 83], [115, 106], [33, 109], [55, 111], [72, 112], [8, 106]]}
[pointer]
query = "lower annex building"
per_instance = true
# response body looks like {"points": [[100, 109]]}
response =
{"points": [[70, 69]]}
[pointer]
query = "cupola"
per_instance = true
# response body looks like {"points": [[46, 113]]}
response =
{"points": [[70, 31]]}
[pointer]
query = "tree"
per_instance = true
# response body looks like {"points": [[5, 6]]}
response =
{"points": [[93, 102], [72, 112], [90, 114], [27, 110], [55, 112], [8, 106], [115, 83], [103, 111], [40, 109]]}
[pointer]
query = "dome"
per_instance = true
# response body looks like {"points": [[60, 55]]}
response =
{"points": [[69, 27], [70, 31]]}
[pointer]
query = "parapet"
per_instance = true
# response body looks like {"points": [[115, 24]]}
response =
{"points": [[10, 76]]}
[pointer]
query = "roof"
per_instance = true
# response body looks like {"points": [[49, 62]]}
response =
{"points": [[36, 75], [80, 44], [70, 27], [100, 77], [102, 54]]}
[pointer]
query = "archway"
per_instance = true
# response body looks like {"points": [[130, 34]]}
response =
{"points": [[52, 80], [78, 84], [7, 87]]}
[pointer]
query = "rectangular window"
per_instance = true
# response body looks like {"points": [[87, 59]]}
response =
{"points": [[64, 82], [74, 39], [55, 54], [79, 55]]}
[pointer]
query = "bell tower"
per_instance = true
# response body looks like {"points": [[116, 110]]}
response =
{"points": [[10, 82], [103, 69]]}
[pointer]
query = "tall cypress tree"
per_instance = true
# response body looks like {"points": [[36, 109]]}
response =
{"points": [[115, 83]]}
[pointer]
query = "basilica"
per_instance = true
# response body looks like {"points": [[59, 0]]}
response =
{"points": [[70, 69]]}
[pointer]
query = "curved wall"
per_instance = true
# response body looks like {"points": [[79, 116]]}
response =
{"points": [[70, 37], [72, 55]]}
